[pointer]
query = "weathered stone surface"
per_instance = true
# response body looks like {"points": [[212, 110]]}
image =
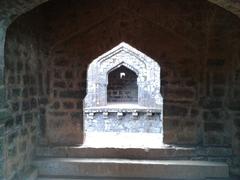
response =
{"points": [[68, 105], [209, 103], [175, 110], [210, 45], [213, 126], [218, 92], [132, 168], [127, 123], [71, 94], [215, 115], [60, 84], [216, 62], [180, 94], [234, 105]]}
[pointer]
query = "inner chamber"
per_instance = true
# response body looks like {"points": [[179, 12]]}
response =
{"points": [[122, 86]]}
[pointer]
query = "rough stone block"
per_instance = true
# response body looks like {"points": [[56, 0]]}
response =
{"points": [[210, 103], [174, 110], [213, 126], [179, 94], [55, 105], [234, 105], [112, 168], [43, 101], [15, 106], [28, 117], [32, 91], [33, 103], [71, 94], [215, 115], [68, 105], [26, 105], [237, 122], [219, 78], [59, 84], [218, 92], [16, 92], [215, 62]]}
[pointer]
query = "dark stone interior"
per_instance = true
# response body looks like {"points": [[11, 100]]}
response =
{"points": [[122, 87], [48, 49]]}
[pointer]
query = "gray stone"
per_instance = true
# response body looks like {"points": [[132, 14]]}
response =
{"points": [[111, 168]]}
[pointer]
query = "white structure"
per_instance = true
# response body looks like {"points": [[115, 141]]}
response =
{"points": [[147, 69]]}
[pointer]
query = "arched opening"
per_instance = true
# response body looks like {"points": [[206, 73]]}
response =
{"points": [[185, 114], [123, 101], [122, 86]]}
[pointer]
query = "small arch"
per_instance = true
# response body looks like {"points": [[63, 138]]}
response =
{"points": [[122, 86]]}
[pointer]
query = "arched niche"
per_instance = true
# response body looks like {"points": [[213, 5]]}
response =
{"points": [[122, 86], [147, 69]]}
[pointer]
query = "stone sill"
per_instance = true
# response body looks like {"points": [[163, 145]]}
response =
{"points": [[122, 107]]}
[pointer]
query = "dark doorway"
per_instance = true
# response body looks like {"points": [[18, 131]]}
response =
{"points": [[122, 86]]}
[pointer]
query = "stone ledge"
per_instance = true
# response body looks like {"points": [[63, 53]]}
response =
{"points": [[127, 153], [131, 168], [128, 108]]}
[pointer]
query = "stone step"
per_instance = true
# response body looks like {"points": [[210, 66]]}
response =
{"points": [[125, 168], [118, 153], [104, 178]]}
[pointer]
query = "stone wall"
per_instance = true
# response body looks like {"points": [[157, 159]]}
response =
{"points": [[25, 94], [64, 123], [195, 43], [127, 123], [192, 45]]}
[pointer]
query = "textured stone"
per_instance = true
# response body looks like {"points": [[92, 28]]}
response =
{"points": [[184, 27], [28, 117], [56, 105], [59, 84], [68, 105], [213, 126], [71, 94], [19, 120], [127, 123], [237, 122], [175, 110], [179, 94], [234, 105], [16, 92], [68, 75], [218, 92], [210, 103], [26, 105], [215, 115], [43, 101], [15, 106], [216, 62], [132, 168]]}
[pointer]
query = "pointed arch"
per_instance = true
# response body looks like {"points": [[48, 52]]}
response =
{"points": [[147, 69]]}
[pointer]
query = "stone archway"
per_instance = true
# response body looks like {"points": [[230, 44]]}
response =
{"points": [[148, 76], [137, 118]]}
